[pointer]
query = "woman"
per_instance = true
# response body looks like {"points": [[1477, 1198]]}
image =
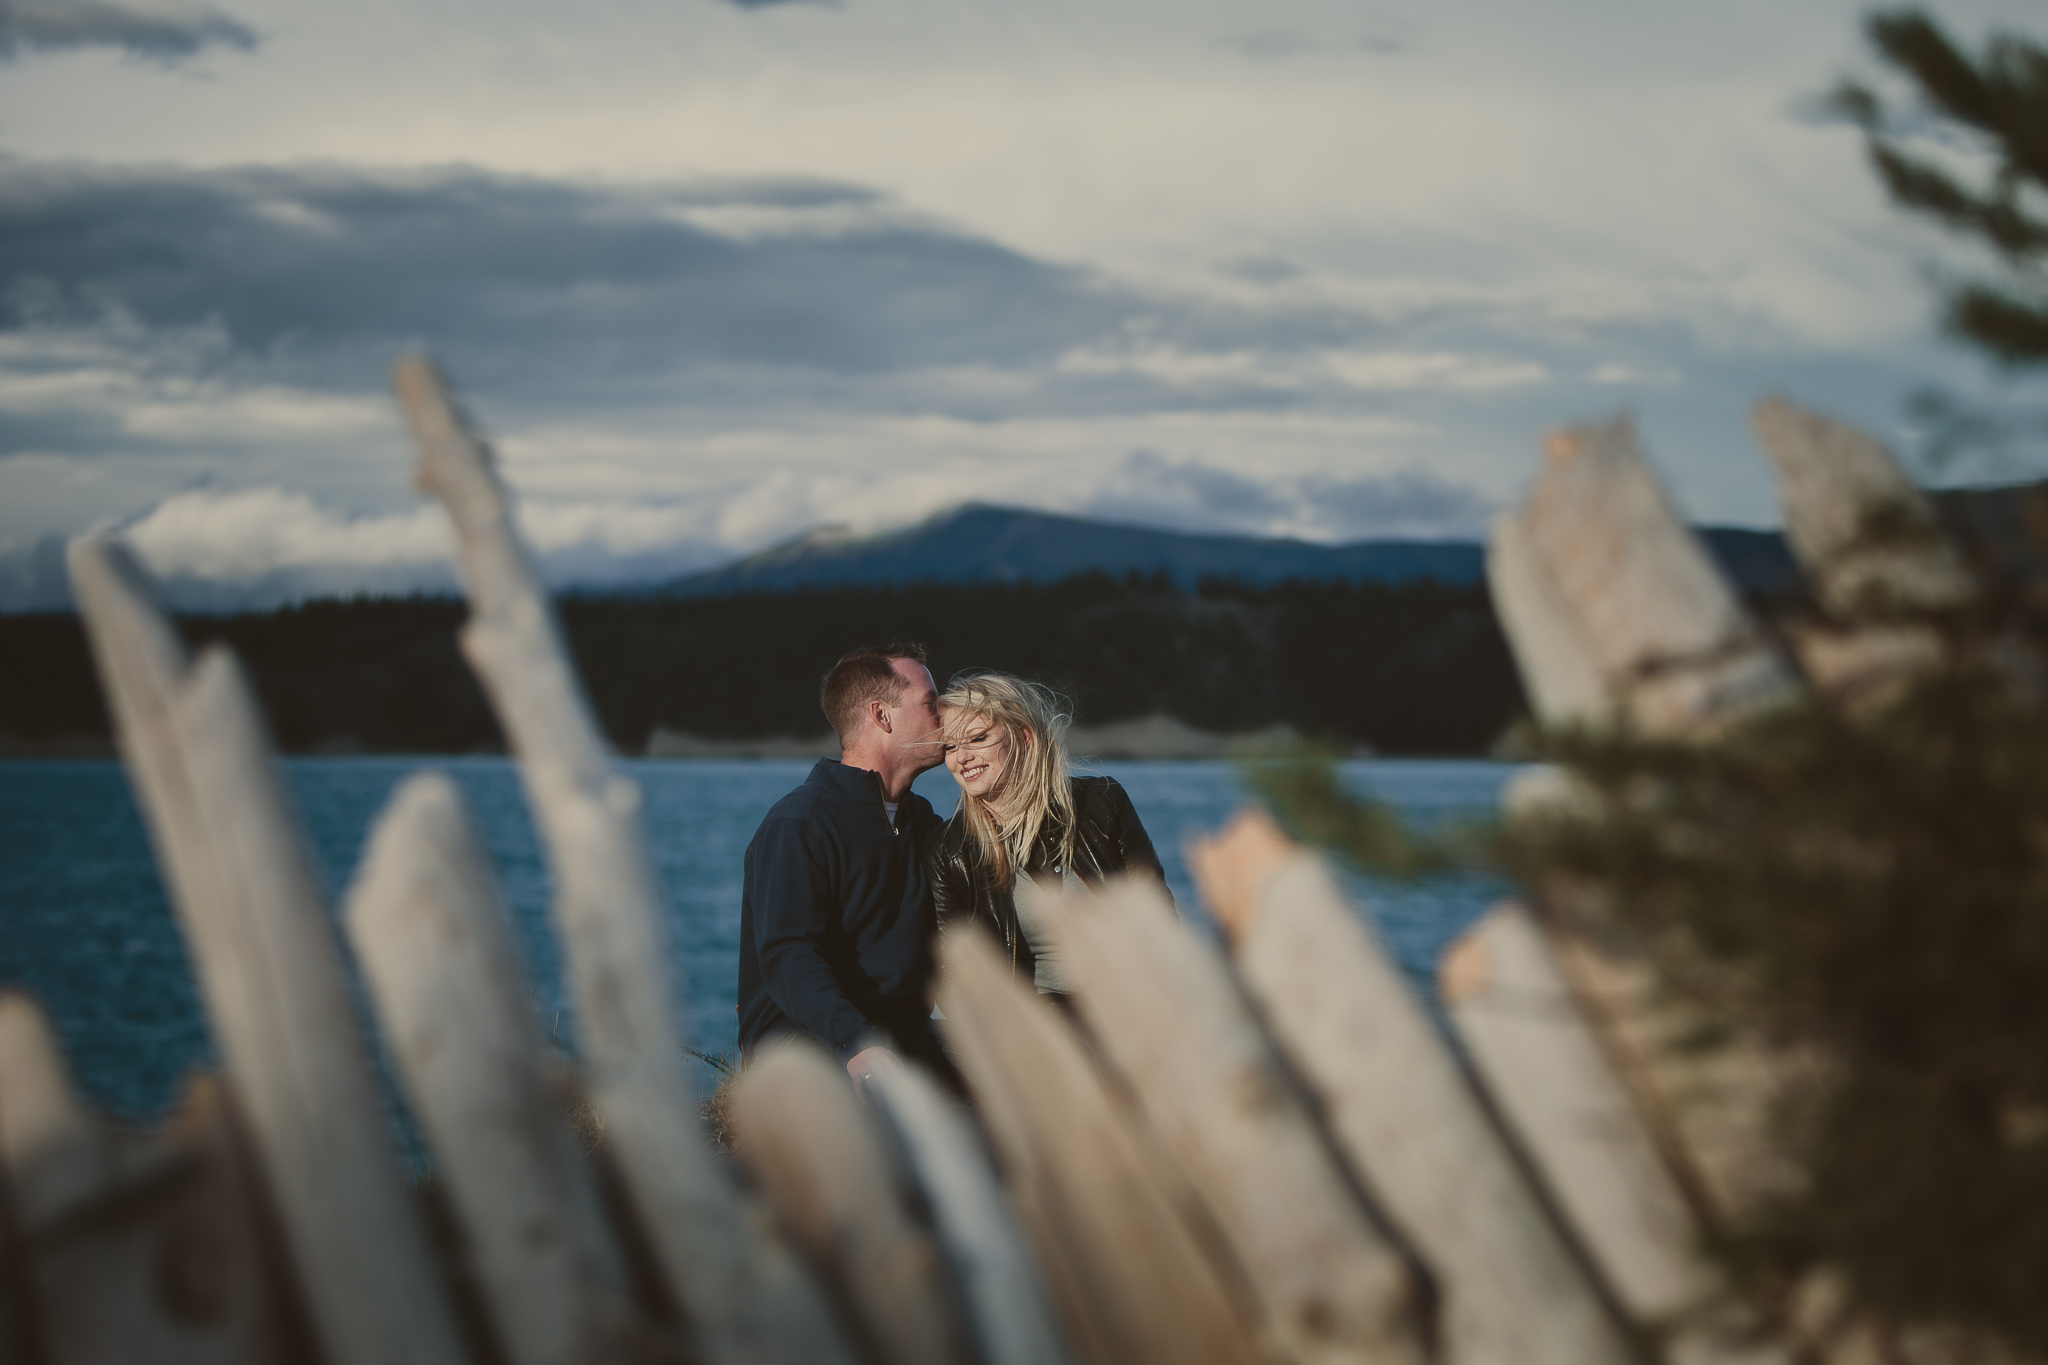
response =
{"points": [[1021, 811]]}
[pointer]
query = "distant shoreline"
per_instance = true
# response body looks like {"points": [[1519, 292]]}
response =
{"points": [[1155, 737]]}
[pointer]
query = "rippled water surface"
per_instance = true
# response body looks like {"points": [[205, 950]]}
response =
{"points": [[85, 926]]}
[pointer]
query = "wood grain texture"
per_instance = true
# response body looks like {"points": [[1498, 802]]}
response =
{"points": [[1541, 1062], [258, 932], [1117, 1250], [52, 1152], [1552, 654], [1869, 539], [745, 1295], [1001, 1292], [1667, 633], [168, 1262], [798, 1128], [1331, 1283], [432, 932], [1400, 1106]]}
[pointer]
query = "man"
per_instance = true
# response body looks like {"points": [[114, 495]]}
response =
{"points": [[836, 917]]}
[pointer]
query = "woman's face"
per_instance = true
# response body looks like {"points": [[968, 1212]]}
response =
{"points": [[977, 753]]}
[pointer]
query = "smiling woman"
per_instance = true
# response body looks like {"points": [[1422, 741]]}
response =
{"points": [[1022, 813]]}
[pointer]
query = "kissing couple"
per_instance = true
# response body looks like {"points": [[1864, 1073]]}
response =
{"points": [[850, 877]]}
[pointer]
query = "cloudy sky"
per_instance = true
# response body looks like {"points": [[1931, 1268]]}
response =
{"points": [[716, 273]]}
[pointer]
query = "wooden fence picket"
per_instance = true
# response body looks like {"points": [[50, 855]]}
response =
{"points": [[119, 1248], [1332, 1283], [745, 1295], [1873, 549], [1666, 631], [52, 1151], [798, 1127], [1543, 1065], [1548, 643], [1115, 1244], [1002, 1293], [1869, 540], [1400, 1106], [432, 933], [257, 929]]}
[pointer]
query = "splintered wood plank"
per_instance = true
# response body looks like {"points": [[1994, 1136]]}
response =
{"points": [[170, 1261], [1542, 1063], [52, 1152], [1401, 1108], [1555, 659], [1000, 1289], [1666, 631], [799, 1129], [257, 928], [745, 1295], [1332, 1284], [1115, 1247], [432, 933], [1869, 540]]}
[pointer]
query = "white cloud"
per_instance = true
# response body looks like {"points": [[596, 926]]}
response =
{"points": [[1614, 373], [1177, 366], [1399, 370], [1443, 229], [257, 532]]}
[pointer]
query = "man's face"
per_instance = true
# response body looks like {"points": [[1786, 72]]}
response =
{"points": [[914, 718]]}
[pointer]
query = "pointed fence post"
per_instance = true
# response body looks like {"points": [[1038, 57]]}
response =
{"points": [[1868, 538], [257, 928], [1112, 1237], [1551, 652], [1332, 1282], [123, 1247], [1399, 1105], [432, 932], [1001, 1290], [52, 1152], [1543, 1065], [1873, 548], [798, 1127], [1666, 632], [743, 1292]]}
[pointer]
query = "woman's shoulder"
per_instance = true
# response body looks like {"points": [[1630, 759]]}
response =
{"points": [[1098, 794]]}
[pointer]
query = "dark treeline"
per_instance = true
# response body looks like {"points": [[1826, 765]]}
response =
{"points": [[1417, 669]]}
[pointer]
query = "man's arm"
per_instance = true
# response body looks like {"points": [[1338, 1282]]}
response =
{"points": [[795, 913]]}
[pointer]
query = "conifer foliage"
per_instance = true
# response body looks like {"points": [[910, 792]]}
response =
{"points": [[1864, 887], [1993, 109], [1868, 890]]}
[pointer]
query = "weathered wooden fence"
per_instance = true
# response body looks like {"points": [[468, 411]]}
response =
{"points": [[1263, 1150]]}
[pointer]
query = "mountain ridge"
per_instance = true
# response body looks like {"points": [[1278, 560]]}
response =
{"points": [[988, 543]]}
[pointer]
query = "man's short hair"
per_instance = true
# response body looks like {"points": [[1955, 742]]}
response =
{"points": [[860, 677]]}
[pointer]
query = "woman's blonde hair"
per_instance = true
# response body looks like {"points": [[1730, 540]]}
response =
{"points": [[1035, 786]]}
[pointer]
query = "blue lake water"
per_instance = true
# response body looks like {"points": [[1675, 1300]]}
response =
{"points": [[85, 927]]}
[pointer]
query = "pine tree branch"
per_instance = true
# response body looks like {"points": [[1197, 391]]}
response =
{"points": [[1913, 43], [2014, 331], [1918, 184]]}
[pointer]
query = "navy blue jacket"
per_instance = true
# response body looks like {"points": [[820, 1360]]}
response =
{"points": [[836, 919]]}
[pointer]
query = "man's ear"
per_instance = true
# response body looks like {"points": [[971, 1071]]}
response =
{"points": [[878, 714]]}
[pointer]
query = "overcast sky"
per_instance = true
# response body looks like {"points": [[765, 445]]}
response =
{"points": [[717, 273]]}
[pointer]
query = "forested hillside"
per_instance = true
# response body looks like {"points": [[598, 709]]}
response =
{"points": [[1414, 669]]}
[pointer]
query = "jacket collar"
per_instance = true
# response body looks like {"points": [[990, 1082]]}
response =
{"points": [[855, 784]]}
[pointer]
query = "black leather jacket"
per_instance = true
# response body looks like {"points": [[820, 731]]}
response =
{"points": [[1109, 839]]}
